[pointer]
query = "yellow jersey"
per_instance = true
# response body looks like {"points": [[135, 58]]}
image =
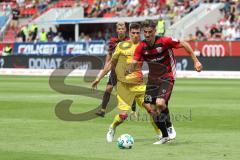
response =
{"points": [[124, 55]]}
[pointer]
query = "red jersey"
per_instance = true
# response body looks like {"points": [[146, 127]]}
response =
{"points": [[160, 58], [113, 43]]}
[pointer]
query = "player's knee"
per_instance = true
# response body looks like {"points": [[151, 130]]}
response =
{"points": [[109, 88], [161, 103], [123, 116]]}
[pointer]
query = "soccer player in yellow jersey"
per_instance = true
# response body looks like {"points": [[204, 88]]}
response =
{"points": [[112, 80], [129, 87]]}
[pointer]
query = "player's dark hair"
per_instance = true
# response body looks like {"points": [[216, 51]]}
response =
{"points": [[149, 23], [134, 25]]}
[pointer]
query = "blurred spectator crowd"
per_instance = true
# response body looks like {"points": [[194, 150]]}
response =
{"points": [[31, 33], [172, 9], [26, 7], [227, 28]]}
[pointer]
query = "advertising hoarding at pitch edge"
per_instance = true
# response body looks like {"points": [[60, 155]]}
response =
{"points": [[212, 49], [62, 48], [205, 49], [83, 62], [2, 45]]}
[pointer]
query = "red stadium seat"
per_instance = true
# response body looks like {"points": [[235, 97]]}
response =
{"points": [[9, 36], [65, 3], [108, 15], [28, 11]]}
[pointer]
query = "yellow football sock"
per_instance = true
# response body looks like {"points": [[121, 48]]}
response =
{"points": [[116, 121]]}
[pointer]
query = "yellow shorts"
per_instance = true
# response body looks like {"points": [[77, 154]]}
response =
{"points": [[127, 93]]}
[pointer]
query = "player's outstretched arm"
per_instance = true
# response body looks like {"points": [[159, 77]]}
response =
{"points": [[107, 60], [188, 48], [110, 65], [132, 67], [106, 69], [136, 59]]}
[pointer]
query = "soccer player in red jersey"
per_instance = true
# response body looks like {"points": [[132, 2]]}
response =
{"points": [[112, 81], [157, 52]]}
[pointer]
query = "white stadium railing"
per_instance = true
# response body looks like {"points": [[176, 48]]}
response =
{"points": [[79, 73]]}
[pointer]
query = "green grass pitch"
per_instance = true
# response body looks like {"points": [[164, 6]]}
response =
{"points": [[205, 113]]}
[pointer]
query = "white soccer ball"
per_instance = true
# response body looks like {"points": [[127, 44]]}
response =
{"points": [[125, 141]]}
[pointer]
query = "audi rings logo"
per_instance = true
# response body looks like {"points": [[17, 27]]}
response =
{"points": [[216, 50]]}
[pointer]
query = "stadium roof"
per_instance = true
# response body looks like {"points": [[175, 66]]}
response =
{"points": [[99, 20]]}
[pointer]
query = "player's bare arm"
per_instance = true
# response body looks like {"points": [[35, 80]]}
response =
{"points": [[132, 67], [188, 48], [109, 66], [107, 60]]}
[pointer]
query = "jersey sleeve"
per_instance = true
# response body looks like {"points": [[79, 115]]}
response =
{"points": [[138, 52], [171, 42], [116, 53]]}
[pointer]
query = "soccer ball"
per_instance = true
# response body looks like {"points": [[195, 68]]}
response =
{"points": [[125, 141]]}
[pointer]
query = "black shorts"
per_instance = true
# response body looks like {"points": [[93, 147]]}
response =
{"points": [[112, 80], [158, 89]]}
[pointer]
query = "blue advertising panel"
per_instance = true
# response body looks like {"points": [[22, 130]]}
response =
{"points": [[61, 48]]}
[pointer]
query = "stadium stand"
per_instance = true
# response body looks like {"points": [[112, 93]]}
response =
{"points": [[226, 29], [170, 9]]}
